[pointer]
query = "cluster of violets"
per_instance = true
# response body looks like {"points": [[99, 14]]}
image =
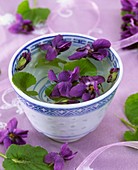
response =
{"points": [[129, 17], [12, 135], [73, 86], [68, 83]]}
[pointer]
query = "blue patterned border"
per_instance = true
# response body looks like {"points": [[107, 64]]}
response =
{"points": [[68, 112], [75, 39]]}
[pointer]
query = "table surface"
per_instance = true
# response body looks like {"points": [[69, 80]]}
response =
{"points": [[111, 129]]}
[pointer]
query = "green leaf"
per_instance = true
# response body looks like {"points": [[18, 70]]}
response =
{"points": [[131, 109], [86, 67], [131, 136], [23, 7], [23, 81], [36, 15], [31, 93], [123, 12], [25, 157], [49, 89], [60, 100], [54, 63]]}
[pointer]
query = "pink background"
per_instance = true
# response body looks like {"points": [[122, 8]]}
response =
{"points": [[111, 129]]}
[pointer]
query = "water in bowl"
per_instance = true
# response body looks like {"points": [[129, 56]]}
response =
{"points": [[40, 71]]}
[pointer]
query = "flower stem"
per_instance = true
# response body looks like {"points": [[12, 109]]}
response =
{"points": [[128, 124], [2, 155]]}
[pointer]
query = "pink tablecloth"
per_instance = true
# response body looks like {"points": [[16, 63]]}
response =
{"points": [[111, 129]]}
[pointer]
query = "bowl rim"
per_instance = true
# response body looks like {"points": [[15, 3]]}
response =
{"points": [[63, 106]]}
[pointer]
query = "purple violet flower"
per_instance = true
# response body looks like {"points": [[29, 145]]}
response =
{"points": [[88, 87], [21, 25], [57, 46], [64, 82], [127, 18], [23, 61], [130, 19], [12, 135], [58, 159], [98, 51], [113, 75], [127, 5], [135, 10], [129, 29]]}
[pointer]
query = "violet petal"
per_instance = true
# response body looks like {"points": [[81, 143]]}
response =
{"points": [[63, 76], [52, 76], [64, 46], [50, 157], [7, 142], [22, 133], [3, 134], [127, 18], [127, 5], [19, 18], [64, 88], [12, 124], [134, 30], [125, 34], [66, 153], [96, 89], [112, 70], [44, 46], [59, 163], [78, 55], [75, 74], [51, 53], [16, 28], [19, 141], [77, 90], [99, 79], [56, 39], [86, 96], [98, 56], [101, 43], [85, 48], [55, 92], [27, 21]]}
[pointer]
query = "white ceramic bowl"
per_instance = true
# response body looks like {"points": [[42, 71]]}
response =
{"points": [[68, 122]]}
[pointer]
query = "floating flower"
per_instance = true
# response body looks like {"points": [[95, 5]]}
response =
{"points": [[23, 61], [98, 51], [21, 25], [58, 159], [64, 82], [88, 87], [113, 75], [58, 45], [12, 135]]}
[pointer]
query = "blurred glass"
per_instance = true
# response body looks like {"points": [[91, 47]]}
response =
{"points": [[77, 16]]}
